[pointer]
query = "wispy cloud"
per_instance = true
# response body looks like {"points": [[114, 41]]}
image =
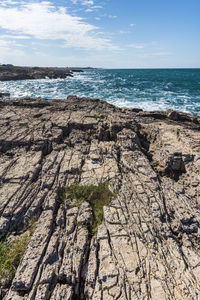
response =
{"points": [[83, 2], [8, 49], [93, 8], [162, 53], [87, 2], [10, 44], [9, 2], [156, 54], [112, 17], [124, 32], [136, 46], [15, 37], [87, 5], [44, 21]]}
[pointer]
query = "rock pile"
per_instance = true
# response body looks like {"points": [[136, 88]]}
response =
{"points": [[148, 245]]}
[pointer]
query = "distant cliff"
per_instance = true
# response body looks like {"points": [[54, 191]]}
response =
{"points": [[10, 72], [98, 202]]}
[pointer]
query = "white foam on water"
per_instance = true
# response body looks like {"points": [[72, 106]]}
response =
{"points": [[109, 86], [145, 105]]}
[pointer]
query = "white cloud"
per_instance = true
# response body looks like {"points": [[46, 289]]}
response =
{"points": [[9, 44], [124, 31], [93, 8], [87, 2], [83, 2], [8, 50], [97, 6], [161, 53], [112, 17], [132, 25], [42, 20], [3, 43], [155, 54], [89, 10], [13, 37], [9, 2], [136, 46]]}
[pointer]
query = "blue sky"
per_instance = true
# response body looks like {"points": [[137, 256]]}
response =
{"points": [[101, 33]]}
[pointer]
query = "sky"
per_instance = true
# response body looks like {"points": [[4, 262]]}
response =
{"points": [[101, 33]]}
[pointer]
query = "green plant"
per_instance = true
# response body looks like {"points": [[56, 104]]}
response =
{"points": [[23, 124], [97, 195], [101, 117], [11, 254], [32, 225], [61, 194]]}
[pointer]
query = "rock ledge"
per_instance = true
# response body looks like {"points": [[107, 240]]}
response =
{"points": [[148, 246]]}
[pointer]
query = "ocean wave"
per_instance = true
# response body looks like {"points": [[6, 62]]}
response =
{"points": [[145, 89]]}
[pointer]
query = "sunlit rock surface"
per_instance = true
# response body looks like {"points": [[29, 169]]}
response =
{"points": [[148, 246]]}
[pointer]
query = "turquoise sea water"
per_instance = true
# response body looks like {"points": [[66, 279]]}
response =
{"points": [[149, 89]]}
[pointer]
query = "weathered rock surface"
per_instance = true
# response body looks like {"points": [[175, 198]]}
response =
{"points": [[148, 246], [9, 72]]}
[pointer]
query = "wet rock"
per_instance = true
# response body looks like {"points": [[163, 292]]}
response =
{"points": [[173, 115], [2, 95]]}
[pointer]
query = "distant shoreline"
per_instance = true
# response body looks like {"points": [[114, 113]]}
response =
{"points": [[9, 72]]}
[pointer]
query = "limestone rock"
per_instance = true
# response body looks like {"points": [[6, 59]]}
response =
{"points": [[148, 244]]}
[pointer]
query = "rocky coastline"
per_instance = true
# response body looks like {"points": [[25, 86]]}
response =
{"points": [[10, 72], [148, 244]]}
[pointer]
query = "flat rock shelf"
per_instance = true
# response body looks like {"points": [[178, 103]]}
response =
{"points": [[148, 244]]}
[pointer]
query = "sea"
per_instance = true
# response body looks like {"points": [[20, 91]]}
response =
{"points": [[148, 89]]}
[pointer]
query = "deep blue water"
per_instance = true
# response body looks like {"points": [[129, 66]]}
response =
{"points": [[149, 89]]}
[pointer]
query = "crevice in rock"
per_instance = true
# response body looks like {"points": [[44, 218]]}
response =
{"points": [[145, 143], [39, 264], [47, 148]]}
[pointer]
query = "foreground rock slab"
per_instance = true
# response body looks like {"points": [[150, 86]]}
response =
{"points": [[148, 246]]}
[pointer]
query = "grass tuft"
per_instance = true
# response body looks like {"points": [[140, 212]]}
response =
{"points": [[11, 254], [23, 124], [100, 117], [61, 195], [97, 195], [32, 223]]}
